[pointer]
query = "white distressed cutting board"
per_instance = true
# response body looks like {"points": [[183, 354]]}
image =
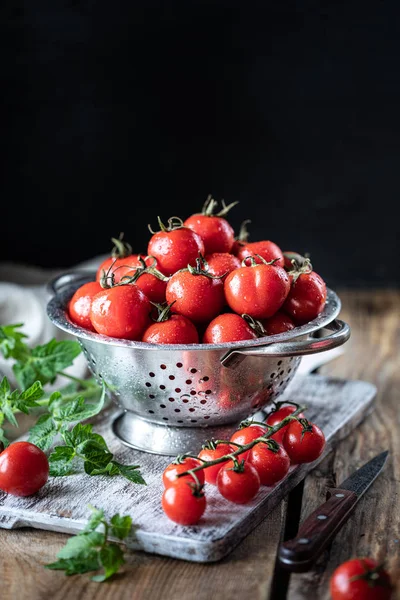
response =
{"points": [[336, 405]]}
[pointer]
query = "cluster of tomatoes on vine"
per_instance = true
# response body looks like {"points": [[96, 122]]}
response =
{"points": [[199, 283], [257, 454]]}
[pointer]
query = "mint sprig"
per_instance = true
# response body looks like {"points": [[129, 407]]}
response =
{"points": [[91, 550]]}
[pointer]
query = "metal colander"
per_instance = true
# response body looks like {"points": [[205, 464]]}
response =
{"points": [[173, 397]]}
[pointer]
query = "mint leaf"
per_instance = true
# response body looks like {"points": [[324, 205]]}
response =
{"points": [[81, 545], [120, 526], [129, 472], [111, 558], [11, 344], [60, 461]]}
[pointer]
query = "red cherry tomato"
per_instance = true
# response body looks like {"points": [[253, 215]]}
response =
{"points": [[238, 486], [24, 469], [175, 247], [303, 441], [215, 231], [81, 302], [222, 263], [152, 286], [172, 470], [360, 579], [278, 323], [228, 327], [272, 465], [266, 249], [277, 416], [306, 298], [195, 295], [120, 263], [210, 454], [258, 290], [121, 312], [183, 502], [245, 436], [175, 330]]}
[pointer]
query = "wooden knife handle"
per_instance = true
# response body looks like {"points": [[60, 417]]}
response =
{"points": [[317, 531]]}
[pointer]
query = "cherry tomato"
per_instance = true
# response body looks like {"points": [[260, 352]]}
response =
{"points": [[245, 436], [266, 249], [24, 469], [303, 441], [173, 469], [360, 579], [121, 312], [222, 263], [278, 323], [289, 255], [215, 231], [209, 454], [175, 330], [81, 302], [272, 465], [258, 290], [175, 247], [195, 295], [120, 263], [277, 416], [183, 502], [152, 285], [239, 486], [307, 296], [228, 327]]}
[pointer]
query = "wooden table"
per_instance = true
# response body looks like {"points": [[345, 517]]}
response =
{"points": [[373, 354]]}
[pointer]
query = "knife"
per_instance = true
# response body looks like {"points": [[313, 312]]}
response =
{"points": [[323, 524]]}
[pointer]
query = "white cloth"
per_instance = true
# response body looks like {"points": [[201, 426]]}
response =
{"points": [[23, 299]]}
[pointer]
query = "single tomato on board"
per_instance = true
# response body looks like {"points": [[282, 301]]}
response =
{"points": [[24, 469], [360, 579]]}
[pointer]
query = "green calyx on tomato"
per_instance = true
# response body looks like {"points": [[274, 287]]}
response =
{"points": [[201, 268], [244, 234], [173, 223], [255, 325], [300, 269], [121, 248], [373, 576], [210, 205], [306, 426], [254, 263]]}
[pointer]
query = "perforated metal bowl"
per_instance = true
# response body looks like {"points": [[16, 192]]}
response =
{"points": [[173, 397]]}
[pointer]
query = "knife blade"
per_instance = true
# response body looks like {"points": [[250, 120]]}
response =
{"points": [[322, 525]]}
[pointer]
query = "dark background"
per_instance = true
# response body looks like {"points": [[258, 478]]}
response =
{"points": [[116, 112]]}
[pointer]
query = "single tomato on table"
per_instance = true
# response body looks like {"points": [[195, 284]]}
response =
{"points": [[360, 579], [24, 469], [121, 311], [215, 231], [303, 441], [258, 290], [238, 483], [184, 502], [174, 246]]}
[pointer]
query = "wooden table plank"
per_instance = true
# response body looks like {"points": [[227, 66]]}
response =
{"points": [[373, 354]]}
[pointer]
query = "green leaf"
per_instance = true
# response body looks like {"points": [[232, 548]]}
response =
{"points": [[77, 566], [11, 344], [8, 413], [54, 400], [78, 409], [25, 374], [120, 526], [33, 393], [94, 455], [43, 432], [3, 438], [5, 389], [80, 434], [60, 461], [130, 472], [95, 520], [81, 545], [53, 357], [111, 558]]}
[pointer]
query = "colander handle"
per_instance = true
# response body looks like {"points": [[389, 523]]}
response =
{"points": [[341, 333], [55, 285]]}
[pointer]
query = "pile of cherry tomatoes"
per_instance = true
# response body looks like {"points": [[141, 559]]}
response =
{"points": [[198, 283], [238, 474]]}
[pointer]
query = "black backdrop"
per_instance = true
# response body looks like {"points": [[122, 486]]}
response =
{"points": [[116, 112]]}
